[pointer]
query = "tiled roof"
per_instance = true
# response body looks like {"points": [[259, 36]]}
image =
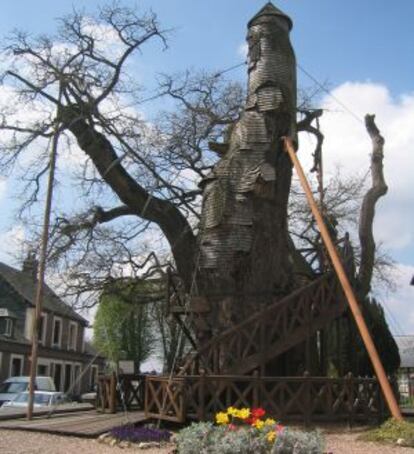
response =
{"points": [[406, 349], [24, 284], [270, 10]]}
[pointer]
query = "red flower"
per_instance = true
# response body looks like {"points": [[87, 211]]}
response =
{"points": [[257, 412], [232, 427], [279, 428], [251, 420]]}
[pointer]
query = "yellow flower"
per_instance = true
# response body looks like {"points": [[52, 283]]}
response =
{"points": [[259, 424], [232, 411], [271, 436], [243, 413], [269, 422], [222, 418]]}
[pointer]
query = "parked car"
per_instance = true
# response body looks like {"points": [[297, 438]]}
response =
{"points": [[90, 397], [15, 385], [42, 399]]}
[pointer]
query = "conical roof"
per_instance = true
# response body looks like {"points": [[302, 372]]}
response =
{"points": [[270, 10]]}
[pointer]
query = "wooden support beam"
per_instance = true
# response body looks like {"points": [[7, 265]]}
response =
{"points": [[349, 293], [42, 265]]}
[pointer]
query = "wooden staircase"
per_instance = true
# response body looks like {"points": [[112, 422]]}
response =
{"points": [[274, 330]]}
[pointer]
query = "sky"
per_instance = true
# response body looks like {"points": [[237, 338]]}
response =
{"points": [[364, 50]]}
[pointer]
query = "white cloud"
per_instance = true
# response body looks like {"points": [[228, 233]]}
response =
{"points": [[11, 244], [3, 187], [243, 50], [399, 307], [347, 144]]}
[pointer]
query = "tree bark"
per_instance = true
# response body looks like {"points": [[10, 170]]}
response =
{"points": [[367, 213]]}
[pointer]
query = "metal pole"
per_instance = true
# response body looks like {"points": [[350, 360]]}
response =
{"points": [[356, 311], [42, 266]]}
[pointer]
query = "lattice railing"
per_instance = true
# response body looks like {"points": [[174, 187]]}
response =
{"points": [[307, 399], [274, 330], [165, 399], [126, 391]]}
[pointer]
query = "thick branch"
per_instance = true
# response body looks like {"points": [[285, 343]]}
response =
{"points": [[367, 214], [173, 224]]}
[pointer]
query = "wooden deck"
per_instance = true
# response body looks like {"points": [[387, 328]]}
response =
{"points": [[87, 424]]}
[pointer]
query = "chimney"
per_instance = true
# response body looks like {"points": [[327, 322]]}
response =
{"points": [[30, 265]]}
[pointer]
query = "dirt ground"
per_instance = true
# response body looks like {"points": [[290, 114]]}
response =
{"points": [[339, 441]]}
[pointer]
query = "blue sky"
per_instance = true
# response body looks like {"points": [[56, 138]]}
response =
{"points": [[333, 39], [364, 49]]}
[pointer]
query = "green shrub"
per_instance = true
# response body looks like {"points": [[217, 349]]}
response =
{"points": [[205, 438], [298, 442], [391, 431]]}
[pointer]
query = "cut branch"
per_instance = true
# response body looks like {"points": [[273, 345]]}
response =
{"points": [[366, 220]]}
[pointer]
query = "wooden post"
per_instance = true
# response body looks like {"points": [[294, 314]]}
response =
{"points": [[307, 394], [350, 384], [201, 412], [349, 293], [147, 395], [256, 389], [112, 394], [42, 264]]}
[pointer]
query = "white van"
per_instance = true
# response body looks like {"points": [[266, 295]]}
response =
{"points": [[15, 385]]}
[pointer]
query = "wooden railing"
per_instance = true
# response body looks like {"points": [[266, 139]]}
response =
{"points": [[165, 398], [120, 391], [106, 395], [272, 331], [306, 399]]}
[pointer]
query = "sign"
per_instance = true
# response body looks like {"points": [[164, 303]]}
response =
{"points": [[126, 367]]}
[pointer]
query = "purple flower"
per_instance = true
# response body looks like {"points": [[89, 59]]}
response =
{"points": [[140, 434]]}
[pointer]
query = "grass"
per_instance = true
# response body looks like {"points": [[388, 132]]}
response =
{"points": [[390, 432]]}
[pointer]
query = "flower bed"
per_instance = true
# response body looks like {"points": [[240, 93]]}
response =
{"points": [[246, 431]]}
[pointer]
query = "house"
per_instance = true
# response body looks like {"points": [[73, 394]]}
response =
{"points": [[63, 353], [406, 370]]}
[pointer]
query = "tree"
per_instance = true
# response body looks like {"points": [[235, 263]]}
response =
{"points": [[122, 328], [170, 337], [346, 351], [229, 239]]}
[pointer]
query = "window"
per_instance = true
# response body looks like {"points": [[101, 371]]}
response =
{"points": [[94, 377], [76, 379], [57, 332], [43, 370], [16, 365], [6, 326], [72, 337], [57, 374], [13, 387], [68, 378], [41, 333], [9, 327]]}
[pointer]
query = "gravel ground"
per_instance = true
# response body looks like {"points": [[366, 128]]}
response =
{"points": [[345, 442], [18, 442]]}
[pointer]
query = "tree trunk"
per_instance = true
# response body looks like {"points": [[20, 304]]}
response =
{"points": [[367, 214], [244, 258]]}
